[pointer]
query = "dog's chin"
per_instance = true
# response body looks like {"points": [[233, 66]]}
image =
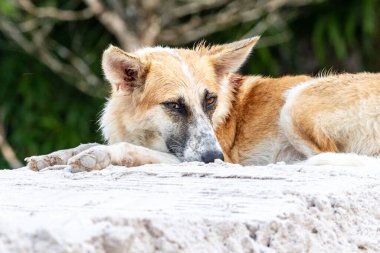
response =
{"points": [[182, 158], [186, 155], [178, 155], [191, 159], [187, 159]]}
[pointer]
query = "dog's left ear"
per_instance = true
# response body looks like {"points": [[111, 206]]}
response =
{"points": [[228, 58], [125, 71]]}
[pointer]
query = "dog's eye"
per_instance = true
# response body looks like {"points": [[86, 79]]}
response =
{"points": [[175, 106], [210, 101]]}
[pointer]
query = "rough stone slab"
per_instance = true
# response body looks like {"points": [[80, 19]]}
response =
{"points": [[191, 208]]}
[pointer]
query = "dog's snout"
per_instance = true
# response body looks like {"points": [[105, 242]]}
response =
{"points": [[211, 156]]}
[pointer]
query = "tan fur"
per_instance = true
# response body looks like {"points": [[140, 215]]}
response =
{"points": [[315, 118], [254, 117]]}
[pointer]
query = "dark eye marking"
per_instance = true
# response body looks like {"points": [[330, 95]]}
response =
{"points": [[175, 105], [209, 100]]}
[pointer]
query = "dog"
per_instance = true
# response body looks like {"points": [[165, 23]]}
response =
{"points": [[171, 105]]}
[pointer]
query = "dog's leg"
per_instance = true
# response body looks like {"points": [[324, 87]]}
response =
{"points": [[56, 158], [124, 154], [307, 135]]}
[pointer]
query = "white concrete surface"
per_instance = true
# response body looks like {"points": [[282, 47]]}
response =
{"points": [[191, 208]]}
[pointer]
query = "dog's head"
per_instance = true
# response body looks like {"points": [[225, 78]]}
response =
{"points": [[171, 99]]}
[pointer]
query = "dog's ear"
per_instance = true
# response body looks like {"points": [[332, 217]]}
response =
{"points": [[123, 70], [228, 58]]}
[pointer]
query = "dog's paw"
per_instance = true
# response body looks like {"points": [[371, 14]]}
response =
{"points": [[93, 159], [38, 163], [59, 157]]}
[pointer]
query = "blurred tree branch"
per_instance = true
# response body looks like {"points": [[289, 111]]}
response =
{"points": [[138, 23], [75, 72], [6, 149], [115, 24], [51, 12]]}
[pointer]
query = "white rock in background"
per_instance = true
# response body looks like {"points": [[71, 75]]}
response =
{"points": [[191, 208]]}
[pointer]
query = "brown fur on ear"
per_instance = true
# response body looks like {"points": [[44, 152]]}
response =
{"points": [[123, 70], [228, 58]]}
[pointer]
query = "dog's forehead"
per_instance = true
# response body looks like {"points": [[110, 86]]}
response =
{"points": [[184, 67]]}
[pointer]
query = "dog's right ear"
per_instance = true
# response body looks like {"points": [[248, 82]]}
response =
{"points": [[123, 70]]}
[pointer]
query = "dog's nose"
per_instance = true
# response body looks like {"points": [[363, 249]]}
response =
{"points": [[211, 156]]}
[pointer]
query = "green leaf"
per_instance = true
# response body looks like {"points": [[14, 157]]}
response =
{"points": [[8, 8], [319, 40], [336, 38], [369, 17], [351, 24]]}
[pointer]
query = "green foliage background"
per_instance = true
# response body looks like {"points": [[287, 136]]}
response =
{"points": [[43, 113]]}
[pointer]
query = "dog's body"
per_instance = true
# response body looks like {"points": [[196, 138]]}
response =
{"points": [[294, 118], [172, 105]]}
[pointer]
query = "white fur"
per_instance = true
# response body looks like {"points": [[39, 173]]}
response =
{"points": [[187, 72], [271, 151], [123, 153], [202, 139], [263, 153], [286, 120], [343, 159], [118, 153], [132, 130], [224, 103]]}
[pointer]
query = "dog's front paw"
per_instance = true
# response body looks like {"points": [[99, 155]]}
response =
{"points": [[38, 163], [93, 159]]}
